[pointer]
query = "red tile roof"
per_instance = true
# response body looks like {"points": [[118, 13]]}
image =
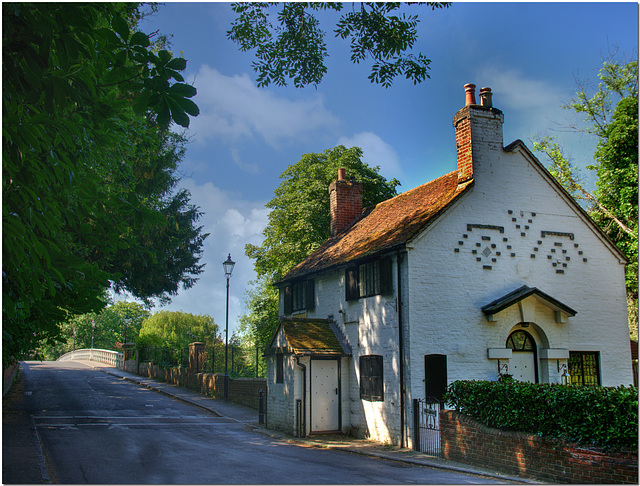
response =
{"points": [[385, 226]]}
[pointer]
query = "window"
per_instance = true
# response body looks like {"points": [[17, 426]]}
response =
{"points": [[280, 368], [584, 368], [371, 382], [369, 278], [521, 341], [369, 281], [299, 296]]}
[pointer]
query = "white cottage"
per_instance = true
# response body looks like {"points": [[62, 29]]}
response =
{"points": [[491, 269]]}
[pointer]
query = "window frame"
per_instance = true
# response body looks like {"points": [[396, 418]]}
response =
{"points": [[372, 377], [299, 295], [572, 369], [369, 278]]}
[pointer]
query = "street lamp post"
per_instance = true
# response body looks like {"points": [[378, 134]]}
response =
{"points": [[228, 269]]}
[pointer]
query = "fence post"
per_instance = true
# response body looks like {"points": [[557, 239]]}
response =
{"points": [[261, 407], [416, 425], [194, 356], [299, 418]]}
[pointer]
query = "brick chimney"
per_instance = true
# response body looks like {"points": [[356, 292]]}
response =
{"points": [[345, 202], [478, 129]]}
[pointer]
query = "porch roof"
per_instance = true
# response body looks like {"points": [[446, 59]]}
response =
{"points": [[312, 337], [522, 293]]}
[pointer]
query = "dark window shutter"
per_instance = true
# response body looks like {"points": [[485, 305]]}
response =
{"points": [[279, 368], [352, 292], [288, 299], [386, 276], [435, 374], [311, 296]]}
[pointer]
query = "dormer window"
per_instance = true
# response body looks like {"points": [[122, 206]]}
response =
{"points": [[299, 296]]}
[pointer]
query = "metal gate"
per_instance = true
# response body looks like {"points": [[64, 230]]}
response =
{"points": [[426, 425]]}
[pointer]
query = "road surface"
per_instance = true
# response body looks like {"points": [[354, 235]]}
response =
{"points": [[95, 428]]}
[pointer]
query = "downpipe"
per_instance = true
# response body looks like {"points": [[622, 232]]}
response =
{"points": [[304, 396], [401, 350]]}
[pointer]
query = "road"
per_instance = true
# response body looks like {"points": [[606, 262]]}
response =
{"points": [[95, 428]]}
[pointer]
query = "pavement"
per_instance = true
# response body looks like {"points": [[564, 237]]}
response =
{"points": [[249, 417]]}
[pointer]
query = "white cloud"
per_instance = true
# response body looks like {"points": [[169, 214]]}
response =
{"points": [[234, 108], [232, 222], [376, 152], [244, 166], [517, 92], [537, 102], [534, 108]]}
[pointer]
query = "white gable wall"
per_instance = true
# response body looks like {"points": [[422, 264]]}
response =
{"points": [[448, 285]]}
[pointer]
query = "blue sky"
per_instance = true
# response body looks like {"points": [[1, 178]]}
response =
{"points": [[530, 54]]}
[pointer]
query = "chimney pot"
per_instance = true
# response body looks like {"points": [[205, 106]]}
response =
{"points": [[342, 174], [485, 97], [470, 91]]}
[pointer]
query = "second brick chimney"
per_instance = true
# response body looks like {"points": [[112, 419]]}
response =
{"points": [[345, 202], [478, 128]]}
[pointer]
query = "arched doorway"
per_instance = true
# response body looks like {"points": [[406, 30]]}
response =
{"points": [[523, 362]]}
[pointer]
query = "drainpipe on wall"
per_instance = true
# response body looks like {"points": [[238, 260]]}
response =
{"points": [[304, 396], [400, 351]]}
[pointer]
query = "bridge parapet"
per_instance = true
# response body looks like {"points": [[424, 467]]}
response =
{"points": [[112, 358]]}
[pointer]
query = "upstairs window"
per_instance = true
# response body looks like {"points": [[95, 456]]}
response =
{"points": [[369, 278], [299, 295], [371, 378]]}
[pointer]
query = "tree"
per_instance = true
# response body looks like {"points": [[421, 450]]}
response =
{"points": [[612, 116], [299, 222], [177, 329], [295, 49], [617, 190], [79, 83], [119, 322], [258, 324], [161, 249]]}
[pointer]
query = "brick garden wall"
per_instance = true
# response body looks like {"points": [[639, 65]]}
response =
{"points": [[8, 375], [246, 391], [241, 390], [465, 440]]}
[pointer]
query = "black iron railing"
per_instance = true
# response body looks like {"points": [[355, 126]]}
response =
{"points": [[209, 359], [426, 425]]}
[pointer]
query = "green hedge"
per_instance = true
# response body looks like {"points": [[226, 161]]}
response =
{"points": [[587, 415]]}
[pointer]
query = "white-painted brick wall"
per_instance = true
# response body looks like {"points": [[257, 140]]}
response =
{"points": [[371, 327], [448, 288], [444, 287]]}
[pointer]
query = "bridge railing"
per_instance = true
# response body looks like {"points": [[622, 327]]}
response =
{"points": [[112, 358]]}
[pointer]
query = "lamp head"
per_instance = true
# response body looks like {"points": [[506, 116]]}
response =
{"points": [[228, 266]]}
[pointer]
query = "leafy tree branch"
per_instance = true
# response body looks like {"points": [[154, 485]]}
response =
{"points": [[294, 47]]}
